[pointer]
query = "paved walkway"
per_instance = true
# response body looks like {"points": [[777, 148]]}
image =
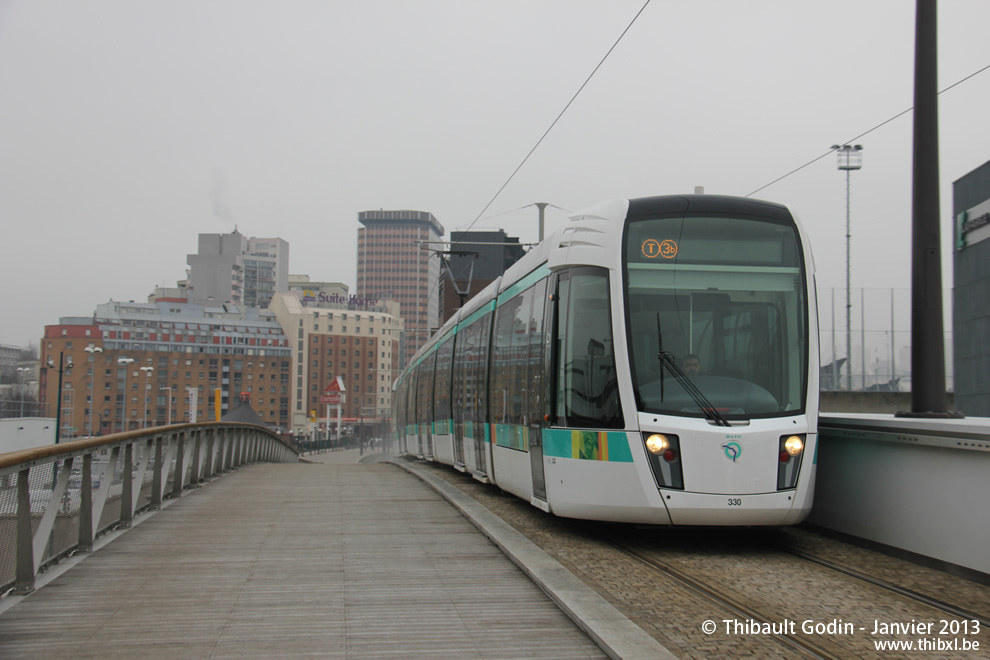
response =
{"points": [[333, 560]]}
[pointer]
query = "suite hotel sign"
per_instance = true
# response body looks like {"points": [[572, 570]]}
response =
{"points": [[310, 296]]}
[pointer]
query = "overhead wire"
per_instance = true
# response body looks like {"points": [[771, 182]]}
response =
{"points": [[561, 114], [490, 217], [543, 137], [881, 124]]}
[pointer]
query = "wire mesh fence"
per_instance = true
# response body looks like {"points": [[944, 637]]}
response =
{"points": [[871, 349]]}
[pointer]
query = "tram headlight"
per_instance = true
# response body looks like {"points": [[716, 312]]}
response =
{"points": [[794, 445], [791, 452], [663, 451], [657, 443]]}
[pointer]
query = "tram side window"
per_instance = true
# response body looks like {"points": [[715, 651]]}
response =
{"points": [[424, 395], [479, 374], [519, 353], [507, 391], [535, 378], [517, 376], [441, 396], [469, 372], [459, 380], [587, 386], [409, 409]]}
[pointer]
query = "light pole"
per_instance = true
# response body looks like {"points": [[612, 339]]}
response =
{"points": [[542, 206], [124, 361], [849, 158], [21, 372], [63, 365], [147, 372], [168, 417], [92, 350]]}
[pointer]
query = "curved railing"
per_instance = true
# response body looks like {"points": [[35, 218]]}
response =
{"points": [[56, 500]]}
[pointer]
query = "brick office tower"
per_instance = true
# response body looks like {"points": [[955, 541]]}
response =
{"points": [[393, 264]]}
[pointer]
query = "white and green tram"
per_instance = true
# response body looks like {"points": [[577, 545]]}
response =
{"points": [[655, 361]]}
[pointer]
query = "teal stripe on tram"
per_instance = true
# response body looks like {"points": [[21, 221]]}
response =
{"points": [[612, 446], [448, 336], [477, 314], [523, 284]]}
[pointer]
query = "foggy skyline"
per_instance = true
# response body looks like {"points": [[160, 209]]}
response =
{"points": [[130, 129]]}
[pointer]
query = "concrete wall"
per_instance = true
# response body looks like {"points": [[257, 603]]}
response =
{"points": [[871, 402], [921, 486], [18, 433]]}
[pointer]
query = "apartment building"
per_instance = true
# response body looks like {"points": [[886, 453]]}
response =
{"points": [[358, 340], [146, 364]]}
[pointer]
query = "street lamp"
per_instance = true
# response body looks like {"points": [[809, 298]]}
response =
{"points": [[21, 372], [63, 365], [168, 417], [849, 158], [92, 350], [147, 372], [123, 410]]}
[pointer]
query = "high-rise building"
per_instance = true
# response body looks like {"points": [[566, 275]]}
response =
{"points": [[393, 263], [135, 364], [234, 269], [475, 260], [266, 270]]}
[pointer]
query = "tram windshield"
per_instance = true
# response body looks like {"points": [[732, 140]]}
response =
{"points": [[725, 297]]}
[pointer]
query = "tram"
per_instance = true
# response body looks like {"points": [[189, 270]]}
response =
{"points": [[655, 361]]}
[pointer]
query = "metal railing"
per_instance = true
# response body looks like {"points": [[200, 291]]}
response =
{"points": [[56, 500]]}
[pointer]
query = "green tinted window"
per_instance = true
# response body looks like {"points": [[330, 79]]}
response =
{"points": [[726, 298]]}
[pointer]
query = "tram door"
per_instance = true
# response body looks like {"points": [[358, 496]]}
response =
{"points": [[536, 380], [536, 460], [455, 412], [424, 406], [480, 345]]}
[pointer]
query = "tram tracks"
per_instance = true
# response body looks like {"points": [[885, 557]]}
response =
{"points": [[734, 606], [931, 601], [763, 543], [731, 578]]}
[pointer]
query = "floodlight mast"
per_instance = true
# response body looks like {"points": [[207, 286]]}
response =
{"points": [[849, 158]]}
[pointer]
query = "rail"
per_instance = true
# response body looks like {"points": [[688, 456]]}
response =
{"points": [[56, 500]]}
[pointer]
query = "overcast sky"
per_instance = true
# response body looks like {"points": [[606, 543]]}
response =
{"points": [[127, 128]]}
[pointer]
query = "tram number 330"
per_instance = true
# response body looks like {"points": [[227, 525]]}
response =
{"points": [[735, 501]]}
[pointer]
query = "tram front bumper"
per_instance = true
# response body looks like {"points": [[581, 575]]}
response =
{"points": [[768, 509]]}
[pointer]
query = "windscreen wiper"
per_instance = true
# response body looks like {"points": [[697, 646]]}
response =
{"points": [[666, 359]]}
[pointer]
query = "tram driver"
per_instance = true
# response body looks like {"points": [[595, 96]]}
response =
{"points": [[691, 365]]}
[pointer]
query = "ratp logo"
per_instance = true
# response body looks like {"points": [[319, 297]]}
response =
{"points": [[732, 450]]}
